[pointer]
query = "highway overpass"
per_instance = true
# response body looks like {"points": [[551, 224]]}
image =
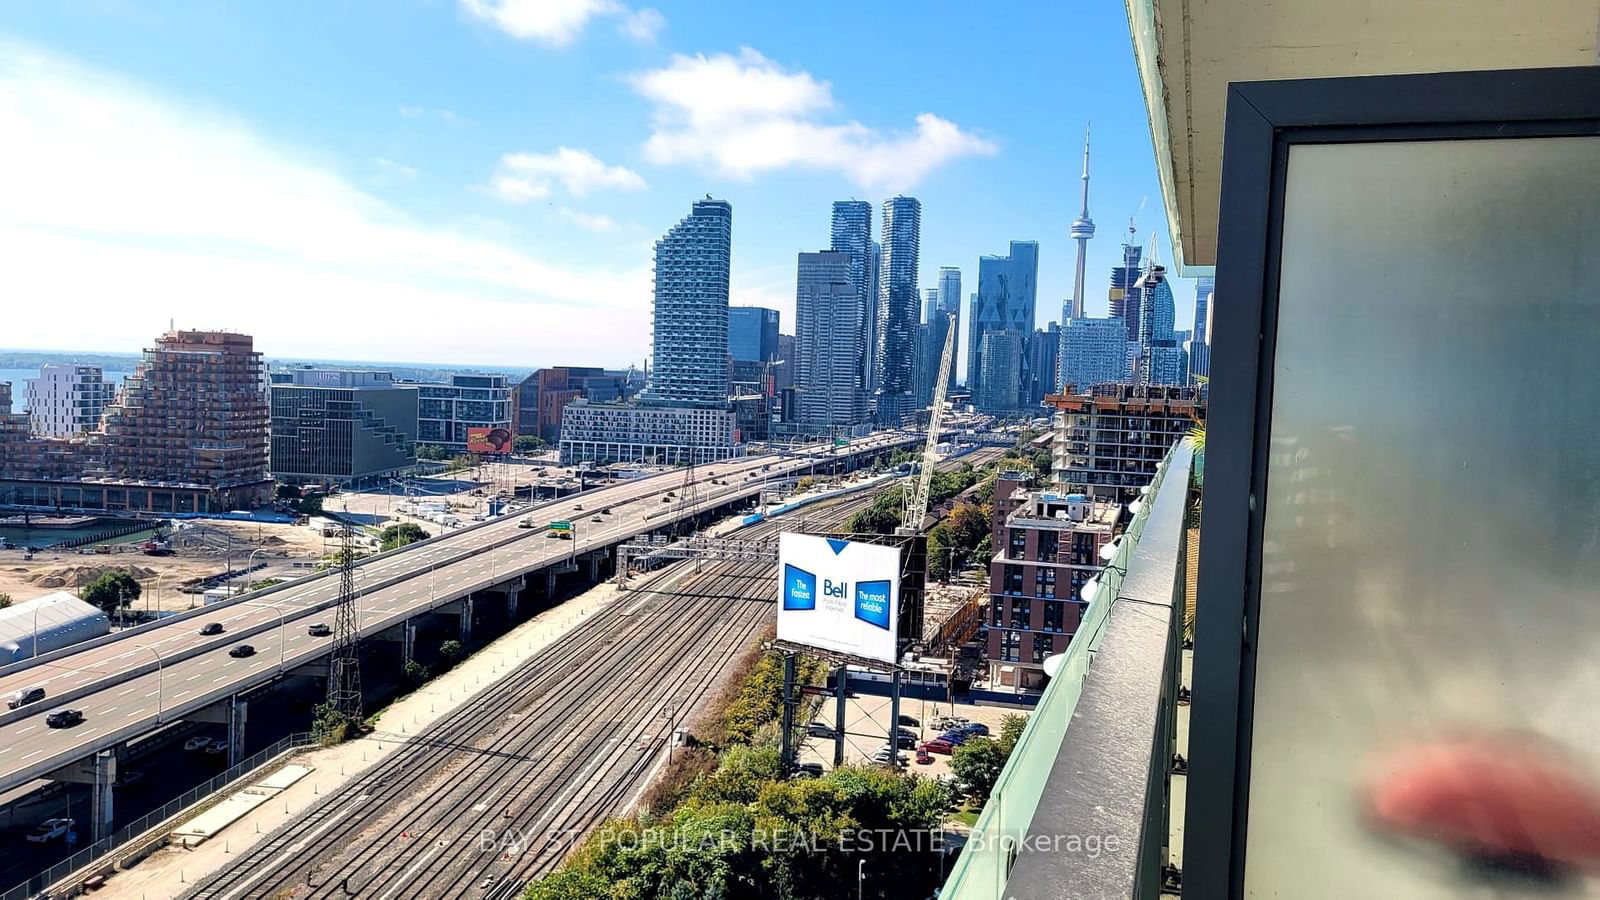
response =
{"points": [[134, 681]]}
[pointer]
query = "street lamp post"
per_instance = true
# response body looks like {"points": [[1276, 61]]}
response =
{"points": [[160, 682], [249, 564], [283, 631], [861, 878]]}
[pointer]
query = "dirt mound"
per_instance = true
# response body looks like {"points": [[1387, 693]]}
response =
{"points": [[77, 576], [273, 540]]}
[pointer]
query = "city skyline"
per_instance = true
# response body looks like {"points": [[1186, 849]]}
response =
{"points": [[455, 191]]}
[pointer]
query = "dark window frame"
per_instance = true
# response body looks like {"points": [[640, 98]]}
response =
{"points": [[1263, 121]]}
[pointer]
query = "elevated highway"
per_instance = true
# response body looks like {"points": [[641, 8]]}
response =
{"points": [[134, 681]]}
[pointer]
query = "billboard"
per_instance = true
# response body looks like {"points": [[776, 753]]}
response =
{"points": [[483, 439], [839, 595]]}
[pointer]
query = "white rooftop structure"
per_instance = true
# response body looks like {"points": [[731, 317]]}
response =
{"points": [[59, 620]]}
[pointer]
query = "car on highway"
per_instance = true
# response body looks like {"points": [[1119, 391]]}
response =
{"points": [[578, 508], [211, 628], [552, 535], [605, 512], [198, 742], [216, 748], [63, 717], [240, 651], [595, 518], [527, 522], [319, 629], [25, 696], [666, 499], [49, 830]]}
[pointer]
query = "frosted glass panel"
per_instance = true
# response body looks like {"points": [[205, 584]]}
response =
{"points": [[1427, 707]]}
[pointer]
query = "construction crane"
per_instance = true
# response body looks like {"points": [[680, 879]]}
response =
{"points": [[917, 503]]}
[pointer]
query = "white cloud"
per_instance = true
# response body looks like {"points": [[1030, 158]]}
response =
{"points": [[522, 177], [589, 221], [642, 25], [743, 115], [124, 208], [559, 22]]}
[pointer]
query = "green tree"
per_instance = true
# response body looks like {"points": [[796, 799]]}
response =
{"points": [[264, 583], [288, 492], [938, 556], [527, 443], [329, 726], [804, 484], [414, 672], [977, 764], [450, 652], [112, 591], [431, 453], [457, 463], [400, 535], [5, 601], [1011, 726], [310, 506]]}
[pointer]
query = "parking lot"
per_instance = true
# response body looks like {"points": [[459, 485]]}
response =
{"points": [[867, 729]]}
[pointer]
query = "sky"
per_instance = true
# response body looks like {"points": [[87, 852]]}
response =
{"points": [[482, 181]]}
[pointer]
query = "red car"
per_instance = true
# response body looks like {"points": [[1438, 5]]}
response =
{"points": [[937, 745], [923, 757]]}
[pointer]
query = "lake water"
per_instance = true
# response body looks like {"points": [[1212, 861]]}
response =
{"points": [[16, 536]]}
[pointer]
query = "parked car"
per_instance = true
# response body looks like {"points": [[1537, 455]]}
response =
{"points": [[217, 747], [817, 729], [25, 696], [808, 770], [946, 723], [910, 721], [198, 742], [319, 629], [211, 628], [975, 728], [240, 651], [882, 757], [923, 757], [64, 717], [954, 738], [905, 741], [938, 745], [49, 830]]}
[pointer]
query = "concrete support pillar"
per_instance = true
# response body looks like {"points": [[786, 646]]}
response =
{"points": [[238, 713], [594, 567], [549, 583], [466, 619], [511, 605], [408, 641], [103, 813]]}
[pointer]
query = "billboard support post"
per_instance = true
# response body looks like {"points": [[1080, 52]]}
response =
{"points": [[841, 674], [894, 719], [786, 753]]}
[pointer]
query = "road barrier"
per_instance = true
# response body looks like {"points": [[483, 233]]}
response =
{"points": [[93, 854]]}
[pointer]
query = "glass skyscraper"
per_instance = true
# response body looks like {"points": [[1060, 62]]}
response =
{"points": [[1005, 302], [1160, 360], [828, 341], [1125, 288], [690, 339], [852, 234], [898, 313], [950, 304], [1093, 351], [752, 333]]}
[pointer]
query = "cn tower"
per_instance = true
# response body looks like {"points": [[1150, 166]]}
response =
{"points": [[1082, 229]]}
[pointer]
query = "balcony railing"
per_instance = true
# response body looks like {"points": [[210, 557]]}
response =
{"points": [[1081, 807]]}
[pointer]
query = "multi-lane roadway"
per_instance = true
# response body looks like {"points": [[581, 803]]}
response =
{"points": [[155, 674]]}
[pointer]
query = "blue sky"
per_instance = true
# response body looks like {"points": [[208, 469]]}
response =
{"points": [[482, 180]]}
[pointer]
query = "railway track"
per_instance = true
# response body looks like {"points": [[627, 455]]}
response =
{"points": [[498, 792]]}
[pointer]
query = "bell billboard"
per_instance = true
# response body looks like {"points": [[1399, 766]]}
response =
{"points": [[838, 595]]}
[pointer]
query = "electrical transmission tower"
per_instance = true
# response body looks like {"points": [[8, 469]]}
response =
{"points": [[344, 666]]}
